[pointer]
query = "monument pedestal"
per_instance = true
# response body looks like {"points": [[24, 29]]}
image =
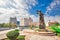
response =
{"points": [[44, 32]]}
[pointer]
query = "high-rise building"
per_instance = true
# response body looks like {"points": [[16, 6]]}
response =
{"points": [[25, 21], [13, 20]]}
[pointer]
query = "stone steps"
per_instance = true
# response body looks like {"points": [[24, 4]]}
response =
{"points": [[42, 33], [46, 33]]}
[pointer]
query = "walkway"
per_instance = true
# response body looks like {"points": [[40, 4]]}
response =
{"points": [[3, 33], [38, 37]]}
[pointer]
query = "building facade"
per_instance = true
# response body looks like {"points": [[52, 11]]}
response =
{"points": [[34, 24], [51, 23], [13, 20], [25, 21]]}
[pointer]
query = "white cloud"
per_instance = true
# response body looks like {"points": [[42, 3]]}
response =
{"points": [[1, 2], [53, 6], [35, 19], [18, 8], [51, 18]]}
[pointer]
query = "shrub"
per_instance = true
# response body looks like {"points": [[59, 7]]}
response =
{"points": [[37, 29], [12, 35], [21, 37], [58, 34], [55, 28], [17, 30]]}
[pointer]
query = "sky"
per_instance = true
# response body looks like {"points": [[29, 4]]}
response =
{"points": [[28, 8]]}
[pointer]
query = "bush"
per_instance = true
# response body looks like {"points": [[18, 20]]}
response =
{"points": [[55, 28], [37, 29], [58, 34], [12, 35], [21, 37], [17, 30]]}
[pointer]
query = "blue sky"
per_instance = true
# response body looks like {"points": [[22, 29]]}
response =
{"points": [[42, 5], [27, 8]]}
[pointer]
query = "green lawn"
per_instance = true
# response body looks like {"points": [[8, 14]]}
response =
{"points": [[21, 37]]}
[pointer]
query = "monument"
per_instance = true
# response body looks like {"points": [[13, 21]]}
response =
{"points": [[42, 27], [41, 20]]}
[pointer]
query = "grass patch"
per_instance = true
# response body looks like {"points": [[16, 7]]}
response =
{"points": [[58, 34], [21, 37]]}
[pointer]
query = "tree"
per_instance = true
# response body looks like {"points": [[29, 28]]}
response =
{"points": [[12, 25]]}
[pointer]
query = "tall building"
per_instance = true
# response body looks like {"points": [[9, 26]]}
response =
{"points": [[25, 21], [13, 20]]}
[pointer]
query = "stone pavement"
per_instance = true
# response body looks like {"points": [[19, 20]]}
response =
{"points": [[30, 36], [38, 37]]}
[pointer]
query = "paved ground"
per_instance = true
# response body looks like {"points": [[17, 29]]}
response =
{"points": [[30, 36], [38, 37]]}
